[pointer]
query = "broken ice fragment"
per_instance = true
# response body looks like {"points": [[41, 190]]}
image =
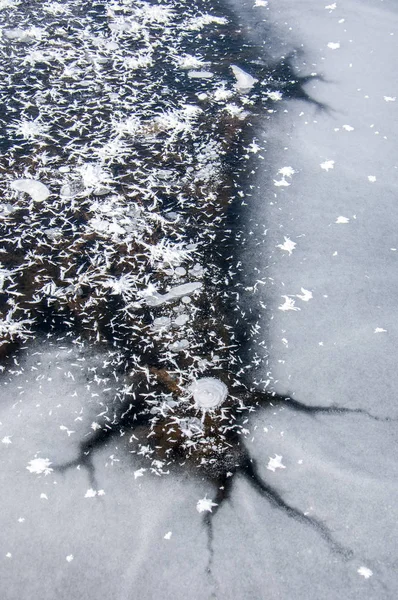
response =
{"points": [[36, 190], [244, 81], [208, 392], [200, 74], [334, 45], [168, 535], [380, 330], [156, 299], [342, 219]]}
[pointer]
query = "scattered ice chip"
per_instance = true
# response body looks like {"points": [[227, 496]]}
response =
{"points": [[288, 245], [342, 219], [286, 171], [244, 81], [334, 45], [205, 504], [289, 304], [372, 178], [331, 6], [379, 330], [36, 190], [168, 535], [181, 320], [8, 555], [43, 497], [389, 98], [200, 74], [208, 392], [348, 128], [275, 463], [70, 557], [260, 3], [305, 296], [6, 440], [90, 493], [39, 466], [139, 473], [281, 183], [179, 346], [275, 96], [365, 572], [327, 165]]}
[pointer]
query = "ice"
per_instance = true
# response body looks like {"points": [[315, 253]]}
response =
{"points": [[208, 392], [36, 190], [244, 81], [179, 291], [327, 353]]}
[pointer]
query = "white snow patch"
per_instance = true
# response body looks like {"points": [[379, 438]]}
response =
{"points": [[334, 45], [70, 557], [244, 81], [342, 219], [348, 128], [305, 296], [372, 178], [389, 98], [168, 535], [380, 330]]}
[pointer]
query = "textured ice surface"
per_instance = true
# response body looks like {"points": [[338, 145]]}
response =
{"points": [[36, 190]]}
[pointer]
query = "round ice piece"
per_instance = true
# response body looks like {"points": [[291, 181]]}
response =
{"points": [[36, 190], [180, 271], [180, 320], [161, 323], [208, 392], [179, 345]]}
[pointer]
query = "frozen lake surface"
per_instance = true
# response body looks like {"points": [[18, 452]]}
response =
{"points": [[150, 448]]}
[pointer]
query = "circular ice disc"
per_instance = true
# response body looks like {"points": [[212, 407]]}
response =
{"points": [[209, 392]]}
